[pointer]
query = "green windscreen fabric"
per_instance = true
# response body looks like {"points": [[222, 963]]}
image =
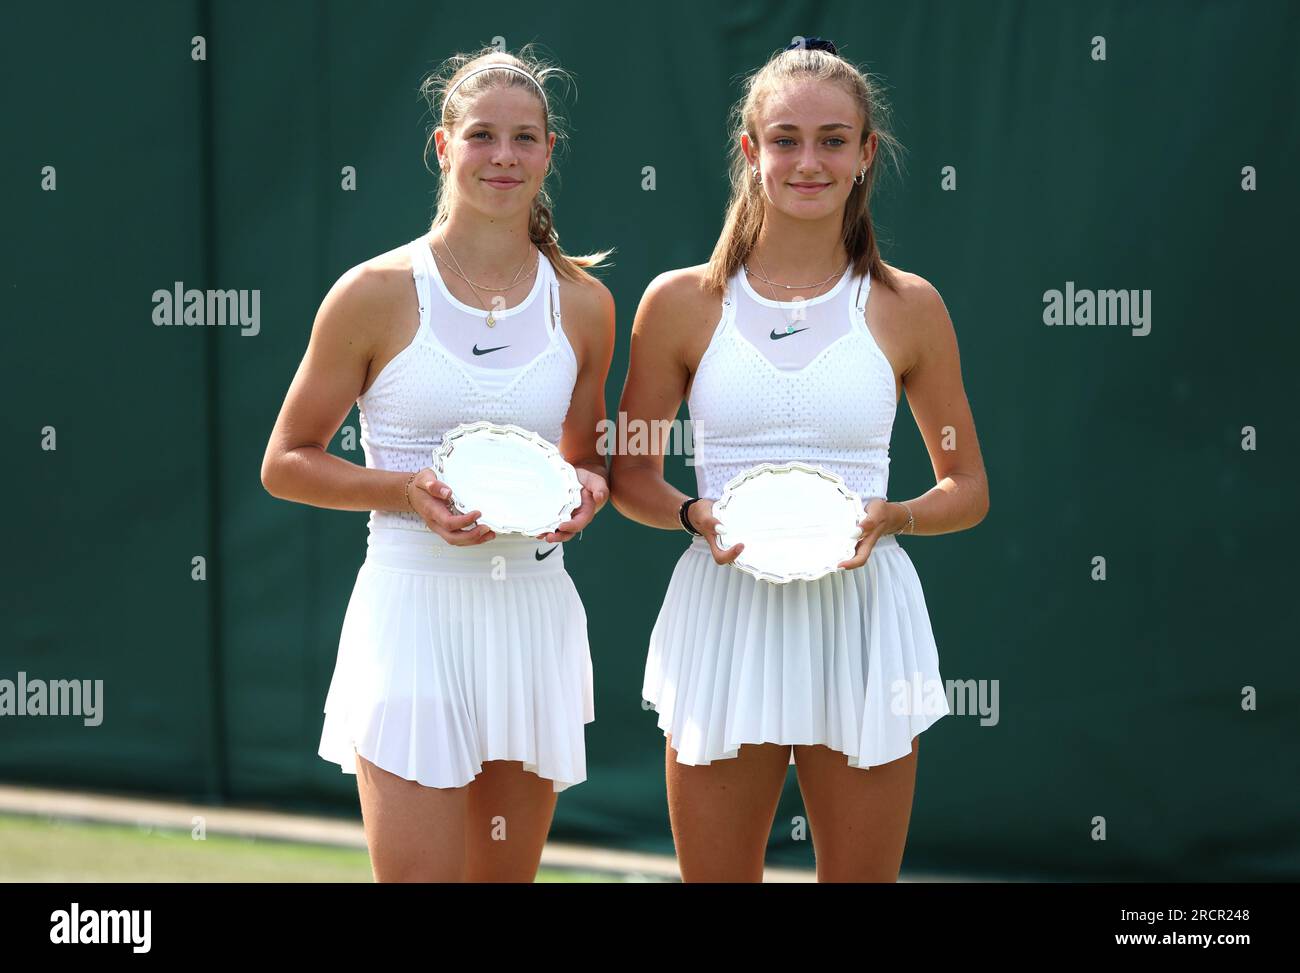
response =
{"points": [[1140, 726]]}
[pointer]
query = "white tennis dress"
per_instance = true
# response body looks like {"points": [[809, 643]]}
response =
{"points": [[848, 660], [451, 656]]}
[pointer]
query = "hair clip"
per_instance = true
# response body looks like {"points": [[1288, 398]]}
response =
{"points": [[814, 44]]}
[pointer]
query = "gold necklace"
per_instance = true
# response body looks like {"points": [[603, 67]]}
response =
{"points": [[491, 318]]}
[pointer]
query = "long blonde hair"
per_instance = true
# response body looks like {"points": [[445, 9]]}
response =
{"points": [[434, 88], [745, 208]]}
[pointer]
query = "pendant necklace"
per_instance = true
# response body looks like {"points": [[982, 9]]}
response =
{"points": [[491, 318], [789, 327]]}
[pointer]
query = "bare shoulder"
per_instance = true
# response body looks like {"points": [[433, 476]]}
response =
{"points": [[909, 321], [917, 304], [368, 297], [588, 316], [676, 304], [681, 288], [589, 303], [589, 296], [377, 277]]}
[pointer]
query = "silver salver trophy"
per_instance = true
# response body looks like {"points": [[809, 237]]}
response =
{"points": [[517, 480], [797, 521]]}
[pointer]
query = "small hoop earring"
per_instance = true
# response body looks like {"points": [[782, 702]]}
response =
{"points": [[754, 170], [861, 177]]}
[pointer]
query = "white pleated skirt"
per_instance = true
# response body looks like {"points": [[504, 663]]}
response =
{"points": [[847, 661], [453, 656]]}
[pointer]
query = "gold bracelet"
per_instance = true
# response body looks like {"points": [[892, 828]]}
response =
{"points": [[407, 490], [910, 522]]}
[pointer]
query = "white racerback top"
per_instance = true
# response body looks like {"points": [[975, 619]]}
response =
{"points": [[834, 408], [427, 388]]}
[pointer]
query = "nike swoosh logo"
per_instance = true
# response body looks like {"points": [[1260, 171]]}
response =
{"points": [[484, 351], [542, 557], [785, 334]]}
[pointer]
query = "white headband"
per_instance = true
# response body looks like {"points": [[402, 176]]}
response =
{"points": [[496, 67]]}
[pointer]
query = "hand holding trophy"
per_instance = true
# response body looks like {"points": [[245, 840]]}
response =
{"points": [[517, 481], [797, 521]]}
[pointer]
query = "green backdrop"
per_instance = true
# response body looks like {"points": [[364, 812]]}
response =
{"points": [[1119, 699]]}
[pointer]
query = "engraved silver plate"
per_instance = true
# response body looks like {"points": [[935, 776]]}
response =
{"points": [[516, 479], [797, 521]]}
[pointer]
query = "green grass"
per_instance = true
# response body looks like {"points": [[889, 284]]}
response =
{"points": [[50, 850]]}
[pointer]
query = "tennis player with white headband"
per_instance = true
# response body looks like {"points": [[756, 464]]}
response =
{"points": [[463, 681]]}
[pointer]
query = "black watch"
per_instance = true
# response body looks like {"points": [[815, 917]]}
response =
{"points": [[681, 515]]}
